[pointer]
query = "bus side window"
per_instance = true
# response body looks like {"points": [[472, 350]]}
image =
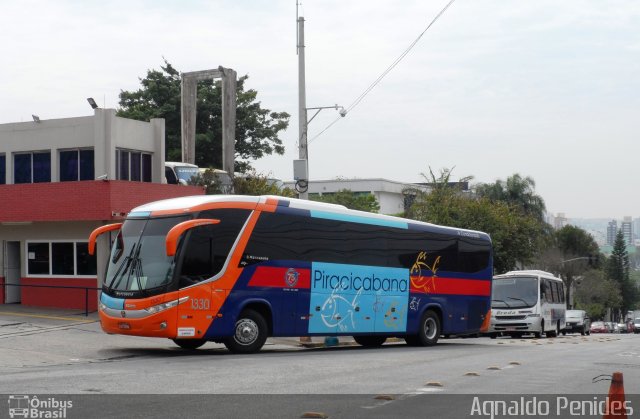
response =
{"points": [[208, 246], [548, 291]]}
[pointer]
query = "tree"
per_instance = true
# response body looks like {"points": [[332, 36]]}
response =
{"points": [[596, 293], [618, 271], [247, 184], [576, 245], [516, 236], [257, 129], [517, 191], [351, 200]]}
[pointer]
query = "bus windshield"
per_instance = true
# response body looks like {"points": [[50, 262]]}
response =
{"points": [[515, 292], [138, 259]]}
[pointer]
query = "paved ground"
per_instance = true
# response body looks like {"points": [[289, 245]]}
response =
{"points": [[29, 323]]}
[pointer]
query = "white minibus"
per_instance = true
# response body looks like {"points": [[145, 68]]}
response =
{"points": [[527, 302]]}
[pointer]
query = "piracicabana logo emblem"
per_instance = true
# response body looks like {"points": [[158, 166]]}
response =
{"points": [[33, 407], [291, 277]]}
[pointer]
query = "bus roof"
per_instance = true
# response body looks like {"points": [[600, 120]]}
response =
{"points": [[189, 204], [530, 272]]}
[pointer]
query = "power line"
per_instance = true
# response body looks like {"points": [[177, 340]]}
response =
{"points": [[359, 99]]}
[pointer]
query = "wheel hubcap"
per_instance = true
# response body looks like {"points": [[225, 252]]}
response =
{"points": [[246, 331], [430, 328]]}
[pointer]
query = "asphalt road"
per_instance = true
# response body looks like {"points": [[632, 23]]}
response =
{"points": [[67, 355]]}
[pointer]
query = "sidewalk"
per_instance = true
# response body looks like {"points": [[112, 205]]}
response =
{"points": [[62, 314]]}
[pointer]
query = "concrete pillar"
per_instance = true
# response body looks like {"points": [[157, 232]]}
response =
{"points": [[103, 146], [157, 168], [188, 108], [188, 111], [228, 120]]}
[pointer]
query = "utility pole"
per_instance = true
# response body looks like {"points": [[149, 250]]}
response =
{"points": [[301, 166]]}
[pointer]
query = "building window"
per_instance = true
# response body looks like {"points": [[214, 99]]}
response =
{"points": [[60, 259], [3, 168], [133, 165], [32, 167], [76, 165]]}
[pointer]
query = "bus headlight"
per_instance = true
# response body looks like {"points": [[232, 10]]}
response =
{"points": [[102, 306], [164, 306]]}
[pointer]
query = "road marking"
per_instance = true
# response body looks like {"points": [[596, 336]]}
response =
{"points": [[42, 316]]}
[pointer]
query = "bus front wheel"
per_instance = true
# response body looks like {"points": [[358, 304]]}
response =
{"points": [[189, 343], [370, 341], [429, 331], [249, 333]]}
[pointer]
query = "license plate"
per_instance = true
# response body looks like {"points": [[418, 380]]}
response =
{"points": [[125, 326]]}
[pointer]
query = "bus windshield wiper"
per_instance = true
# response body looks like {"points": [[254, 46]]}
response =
{"points": [[136, 267], [502, 301], [120, 271], [519, 299]]}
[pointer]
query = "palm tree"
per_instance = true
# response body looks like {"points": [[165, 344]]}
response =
{"points": [[518, 191]]}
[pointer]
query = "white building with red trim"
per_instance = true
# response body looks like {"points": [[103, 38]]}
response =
{"points": [[59, 180]]}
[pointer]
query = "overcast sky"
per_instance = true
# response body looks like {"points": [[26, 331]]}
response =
{"points": [[545, 88]]}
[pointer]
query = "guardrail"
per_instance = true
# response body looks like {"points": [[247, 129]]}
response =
{"points": [[86, 292]]}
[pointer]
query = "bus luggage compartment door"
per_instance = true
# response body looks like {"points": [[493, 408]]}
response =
{"points": [[197, 313]]}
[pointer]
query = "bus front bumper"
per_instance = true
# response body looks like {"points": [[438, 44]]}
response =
{"points": [[139, 322], [523, 325]]}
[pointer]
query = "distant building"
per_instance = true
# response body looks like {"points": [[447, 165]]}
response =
{"points": [[627, 230], [391, 195], [559, 221], [612, 231], [59, 180]]}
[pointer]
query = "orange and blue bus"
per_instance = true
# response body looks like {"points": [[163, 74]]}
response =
{"points": [[239, 269]]}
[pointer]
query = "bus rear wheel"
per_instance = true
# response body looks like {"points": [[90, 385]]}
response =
{"points": [[249, 333], [370, 341], [189, 343], [429, 328]]}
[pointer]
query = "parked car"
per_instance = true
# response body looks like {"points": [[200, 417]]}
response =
{"points": [[622, 328], [599, 327], [613, 327], [636, 325], [577, 321]]}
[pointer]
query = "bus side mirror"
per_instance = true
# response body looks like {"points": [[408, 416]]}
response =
{"points": [[98, 231], [174, 234]]}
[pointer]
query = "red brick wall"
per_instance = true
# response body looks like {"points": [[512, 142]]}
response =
{"points": [[86, 200], [49, 296]]}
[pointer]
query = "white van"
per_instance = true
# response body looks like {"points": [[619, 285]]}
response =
{"points": [[179, 172], [577, 321]]}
